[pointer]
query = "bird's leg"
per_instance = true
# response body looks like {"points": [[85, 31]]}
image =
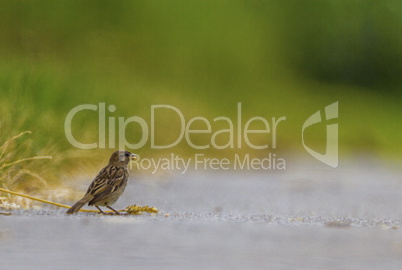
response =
{"points": [[100, 210], [117, 212]]}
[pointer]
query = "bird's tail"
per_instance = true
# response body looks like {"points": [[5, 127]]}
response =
{"points": [[77, 206]]}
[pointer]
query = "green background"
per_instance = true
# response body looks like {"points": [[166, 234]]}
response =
{"points": [[278, 58]]}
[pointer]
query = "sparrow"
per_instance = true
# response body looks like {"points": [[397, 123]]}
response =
{"points": [[108, 185]]}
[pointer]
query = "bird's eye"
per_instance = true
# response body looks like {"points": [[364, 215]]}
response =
{"points": [[127, 154]]}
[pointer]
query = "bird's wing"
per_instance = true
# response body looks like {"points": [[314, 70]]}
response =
{"points": [[105, 179], [108, 181], [120, 177]]}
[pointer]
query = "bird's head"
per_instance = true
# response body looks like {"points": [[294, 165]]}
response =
{"points": [[121, 158]]}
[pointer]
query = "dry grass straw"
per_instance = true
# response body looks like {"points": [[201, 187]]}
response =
{"points": [[132, 209], [8, 175]]}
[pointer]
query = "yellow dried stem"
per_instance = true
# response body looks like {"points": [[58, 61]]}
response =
{"points": [[5, 145], [131, 210], [24, 159]]}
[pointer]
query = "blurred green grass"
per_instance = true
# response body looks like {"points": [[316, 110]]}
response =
{"points": [[278, 58]]}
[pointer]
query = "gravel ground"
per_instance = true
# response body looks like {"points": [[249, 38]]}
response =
{"points": [[308, 217]]}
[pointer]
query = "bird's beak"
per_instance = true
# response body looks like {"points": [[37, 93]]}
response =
{"points": [[134, 157]]}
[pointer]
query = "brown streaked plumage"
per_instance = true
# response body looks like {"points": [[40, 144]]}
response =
{"points": [[108, 185]]}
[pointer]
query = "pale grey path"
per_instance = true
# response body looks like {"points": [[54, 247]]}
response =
{"points": [[309, 217]]}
